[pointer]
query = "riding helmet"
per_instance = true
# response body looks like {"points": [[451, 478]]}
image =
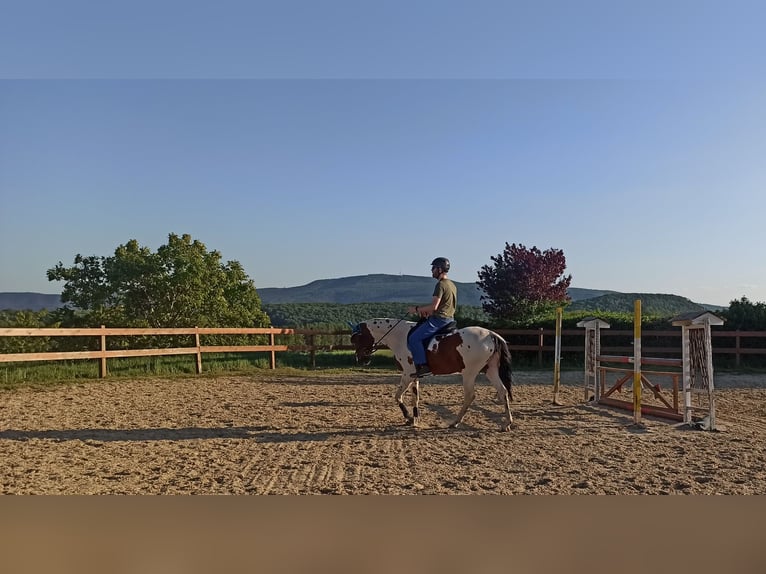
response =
{"points": [[442, 263]]}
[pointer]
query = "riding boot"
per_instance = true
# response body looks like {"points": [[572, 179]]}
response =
{"points": [[421, 371]]}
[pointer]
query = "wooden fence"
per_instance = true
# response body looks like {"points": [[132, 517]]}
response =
{"points": [[732, 343], [103, 353], [539, 341]]}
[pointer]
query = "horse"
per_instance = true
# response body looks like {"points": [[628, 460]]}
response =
{"points": [[468, 351]]}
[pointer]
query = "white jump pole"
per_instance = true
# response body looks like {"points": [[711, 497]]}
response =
{"points": [[557, 357]]}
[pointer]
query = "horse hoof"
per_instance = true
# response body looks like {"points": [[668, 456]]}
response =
{"points": [[409, 423]]}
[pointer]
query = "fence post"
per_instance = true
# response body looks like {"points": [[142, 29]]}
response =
{"points": [[199, 350], [540, 348], [312, 352], [103, 371], [273, 354]]}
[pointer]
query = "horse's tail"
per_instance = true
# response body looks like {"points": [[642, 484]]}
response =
{"points": [[504, 363]]}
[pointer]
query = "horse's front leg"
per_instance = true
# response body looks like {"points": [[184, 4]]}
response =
{"points": [[404, 384]]}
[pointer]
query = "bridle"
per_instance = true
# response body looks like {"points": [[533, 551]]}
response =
{"points": [[376, 345]]}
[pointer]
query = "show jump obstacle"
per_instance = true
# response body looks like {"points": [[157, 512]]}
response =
{"points": [[694, 368]]}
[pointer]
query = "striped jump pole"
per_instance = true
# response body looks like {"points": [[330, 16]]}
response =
{"points": [[637, 362]]}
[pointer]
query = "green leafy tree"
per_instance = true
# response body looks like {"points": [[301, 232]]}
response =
{"points": [[745, 315], [182, 284], [524, 285], [28, 319]]}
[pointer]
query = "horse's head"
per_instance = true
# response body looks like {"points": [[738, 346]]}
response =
{"points": [[364, 343]]}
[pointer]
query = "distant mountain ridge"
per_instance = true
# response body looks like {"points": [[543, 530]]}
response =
{"points": [[29, 301], [375, 288], [383, 288]]}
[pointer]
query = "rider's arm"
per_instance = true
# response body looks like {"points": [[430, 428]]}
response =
{"points": [[425, 310]]}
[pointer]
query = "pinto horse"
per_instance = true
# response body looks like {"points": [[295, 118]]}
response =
{"points": [[468, 351]]}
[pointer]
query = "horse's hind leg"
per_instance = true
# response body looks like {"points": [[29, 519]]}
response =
{"points": [[404, 384], [469, 393], [503, 397]]}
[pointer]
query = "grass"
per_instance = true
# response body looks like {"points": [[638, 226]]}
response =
{"points": [[37, 374]]}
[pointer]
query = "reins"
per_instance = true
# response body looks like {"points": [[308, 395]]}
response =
{"points": [[376, 345]]}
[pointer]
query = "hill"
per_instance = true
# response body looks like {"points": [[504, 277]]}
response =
{"points": [[651, 304], [382, 288], [376, 288], [29, 301]]}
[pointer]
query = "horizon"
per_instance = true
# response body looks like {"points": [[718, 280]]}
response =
{"points": [[420, 276], [302, 144]]}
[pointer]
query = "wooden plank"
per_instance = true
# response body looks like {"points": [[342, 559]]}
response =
{"points": [[657, 361], [740, 351], [151, 352], [662, 361], [244, 331], [645, 409], [90, 332], [20, 332], [124, 353], [96, 332], [309, 348], [656, 390], [618, 384], [615, 359], [24, 357], [513, 347], [242, 348]]}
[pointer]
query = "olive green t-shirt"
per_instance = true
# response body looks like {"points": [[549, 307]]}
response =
{"points": [[446, 290]]}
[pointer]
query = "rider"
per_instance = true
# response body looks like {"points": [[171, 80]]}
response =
{"points": [[437, 314]]}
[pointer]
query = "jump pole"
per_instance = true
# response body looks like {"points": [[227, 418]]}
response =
{"points": [[557, 358], [637, 362]]}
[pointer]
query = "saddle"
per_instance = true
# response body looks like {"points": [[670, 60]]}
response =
{"points": [[448, 329]]}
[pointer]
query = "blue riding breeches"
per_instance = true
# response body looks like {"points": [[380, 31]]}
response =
{"points": [[418, 336]]}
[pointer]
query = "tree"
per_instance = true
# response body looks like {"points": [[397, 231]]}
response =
{"points": [[745, 314], [524, 285], [28, 319], [181, 285]]}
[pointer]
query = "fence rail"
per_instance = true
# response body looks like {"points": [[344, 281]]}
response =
{"points": [[103, 353], [540, 341]]}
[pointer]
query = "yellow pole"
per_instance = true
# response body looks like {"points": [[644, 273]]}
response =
{"points": [[557, 358], [637, 361]]}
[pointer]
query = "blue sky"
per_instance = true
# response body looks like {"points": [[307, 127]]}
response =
{"points": [[312, 140]]}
